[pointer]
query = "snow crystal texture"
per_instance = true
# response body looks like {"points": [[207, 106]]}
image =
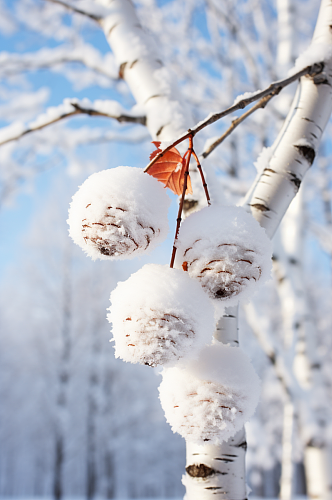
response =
{"points": [[227, 250], [209, 400], [160, 315], [119, 213]]}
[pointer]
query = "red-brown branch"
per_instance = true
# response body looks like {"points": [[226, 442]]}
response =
{"points": [[203, 178], [178, 220]]}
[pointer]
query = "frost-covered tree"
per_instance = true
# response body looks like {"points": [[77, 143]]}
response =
{"points": [[169, 66]]}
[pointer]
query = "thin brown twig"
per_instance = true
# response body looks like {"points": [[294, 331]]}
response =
{"points": [[203, 178], [184, 189], [75, 9], [76, 111], [260, 104], [274, 88]]}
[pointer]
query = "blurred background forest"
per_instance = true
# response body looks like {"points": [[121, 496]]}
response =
{"points": [[69, 410]]}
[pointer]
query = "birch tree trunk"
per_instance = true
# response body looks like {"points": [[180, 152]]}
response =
{"points": [[284, 63], [63, 378], [218, 470], [150, 82], [306, 364]]}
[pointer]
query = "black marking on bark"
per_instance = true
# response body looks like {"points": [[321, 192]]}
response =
{"points": [[275, 258], [122, 69], [159, 131], [133, 63], [307, 152], [111, 29], [308, 120], [225, 460], [293, 260], [321, 80], [260, 206], [272, 358], [229, 316], [298, 161], [200, 470], [153, 97], [295, 180], [316, 366], [189, 204], [313, 135], [212, 488], [297, 325], [233, 456], [269, 170], [243, 445]]}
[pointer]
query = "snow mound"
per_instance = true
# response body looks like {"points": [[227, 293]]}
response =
{"points": [[119, 213], [209, 400], [160, 315], [227, 250]]}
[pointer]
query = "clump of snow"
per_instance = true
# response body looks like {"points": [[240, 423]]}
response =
{"points": [[209, 400], [246, 95], [119, 213], [263, 159], [315, 53], [11, 132], [160, 315], [226, 250]]}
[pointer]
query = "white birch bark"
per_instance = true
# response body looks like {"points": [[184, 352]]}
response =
{"points": [[151, 84], [297, 143], [306, 364], [284, 63], [294, 150], [218, 470]]}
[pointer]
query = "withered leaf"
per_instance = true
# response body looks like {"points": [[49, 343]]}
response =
{"points": [[169, 169]]}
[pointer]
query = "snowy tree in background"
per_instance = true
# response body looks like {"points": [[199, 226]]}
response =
{"points": [[183, 61]]}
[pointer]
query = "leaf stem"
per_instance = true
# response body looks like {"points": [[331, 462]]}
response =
{"points": [[203, 178], [178, 220]]}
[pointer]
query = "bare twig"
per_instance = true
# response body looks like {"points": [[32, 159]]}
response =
{"points": [[273, 88], [75, 9], [205, 187], [260, 104], [19, 63], [185, 182], [77, 110]]}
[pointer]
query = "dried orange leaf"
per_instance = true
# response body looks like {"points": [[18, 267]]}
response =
{"points": [[169, 169]]}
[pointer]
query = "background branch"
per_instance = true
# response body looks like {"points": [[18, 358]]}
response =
{"points": [[261, 104], [66, 110]]}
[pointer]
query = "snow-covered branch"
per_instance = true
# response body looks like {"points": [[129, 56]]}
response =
{"points": [[235, 123], [108, 109], [12, 64], [240, 103], [85, 12]]}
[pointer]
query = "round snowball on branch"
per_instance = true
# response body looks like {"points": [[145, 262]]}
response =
{"points": [[209, 400], [226, 250], [160, 315], [119, 213]]}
